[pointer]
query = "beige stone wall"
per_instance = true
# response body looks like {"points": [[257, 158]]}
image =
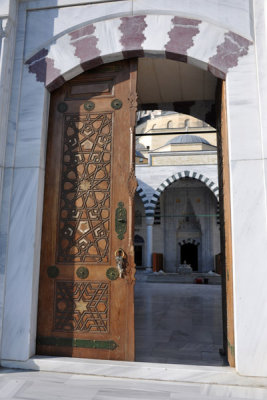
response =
{"points": [[156, 142], [173, 121], [169, 126], [185, 147], [144, 160], [190, 159]]}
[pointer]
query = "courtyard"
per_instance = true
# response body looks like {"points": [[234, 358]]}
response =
{"points": [[178, 323]]}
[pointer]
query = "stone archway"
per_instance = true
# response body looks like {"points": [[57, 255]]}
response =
{"points": [[56, 62], [186, 214], [210, 184], [93, 44], [180, 38]]}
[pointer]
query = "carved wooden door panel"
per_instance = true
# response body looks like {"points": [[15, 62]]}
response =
{"points": [[85, 308]]}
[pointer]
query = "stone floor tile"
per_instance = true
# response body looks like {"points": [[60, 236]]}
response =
{"points": [[174, 317]]}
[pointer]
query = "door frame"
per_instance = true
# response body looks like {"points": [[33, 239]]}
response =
{"points": [[226, 227], [41, 77]]}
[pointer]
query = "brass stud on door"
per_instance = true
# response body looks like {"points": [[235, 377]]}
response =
{"points": [[89, 105], [62, 107], [82, 272], [116, 104], [52, 271], [112, 274]]}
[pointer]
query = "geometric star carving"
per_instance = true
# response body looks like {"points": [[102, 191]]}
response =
{"points": [[84, 218], [82, 306]]}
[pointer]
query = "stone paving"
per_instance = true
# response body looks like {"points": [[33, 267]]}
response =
{"points": [[178, 323], [16, 384]]}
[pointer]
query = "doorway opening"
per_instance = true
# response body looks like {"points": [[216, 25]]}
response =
{"points": [[177, 170], [189, 255], [138, 250], [178, 309]]}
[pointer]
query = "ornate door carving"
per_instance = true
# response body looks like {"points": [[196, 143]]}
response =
{"points": [[85, 308]]}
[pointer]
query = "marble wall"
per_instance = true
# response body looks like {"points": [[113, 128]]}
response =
{"points": [[229, 39], [8, 15]]}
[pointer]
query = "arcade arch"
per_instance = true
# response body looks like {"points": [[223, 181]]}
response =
{"points": [[185, 174], [185, 194]]}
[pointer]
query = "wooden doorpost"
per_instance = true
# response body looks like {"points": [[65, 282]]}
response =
{"points": [[226, 232]]}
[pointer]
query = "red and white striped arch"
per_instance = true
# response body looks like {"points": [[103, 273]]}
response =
{"points": [[189, 40]]}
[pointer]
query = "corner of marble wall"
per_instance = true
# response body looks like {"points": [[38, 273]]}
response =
{"points": [[1, 182], [36, 261], [260, 27], [15, 87], [236, 16], [32, 125], [4, 222], [249, 230], [22, 272], [2, 261], [7, 40], [242, 96], [21, 213], [54, 21]]}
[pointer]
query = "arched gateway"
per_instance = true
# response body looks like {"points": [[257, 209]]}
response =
{"points": [[79, 49], [84, 48], [188, 40]]}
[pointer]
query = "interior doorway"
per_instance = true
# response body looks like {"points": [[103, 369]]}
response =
{"points": [[138, 250], [189, 255]]}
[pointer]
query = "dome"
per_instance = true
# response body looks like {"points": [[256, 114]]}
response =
{"points": [[185, 139]]}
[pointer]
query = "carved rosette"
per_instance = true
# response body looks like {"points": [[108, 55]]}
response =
{"points": [[133, 100]]}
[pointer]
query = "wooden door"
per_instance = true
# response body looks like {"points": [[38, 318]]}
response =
{"points": [[85, 308]]}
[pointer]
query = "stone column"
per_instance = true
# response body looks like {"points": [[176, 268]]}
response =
{"points": [[149, 238]]}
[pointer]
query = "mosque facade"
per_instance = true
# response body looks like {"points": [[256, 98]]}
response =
{"points": [[178, 192]]}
